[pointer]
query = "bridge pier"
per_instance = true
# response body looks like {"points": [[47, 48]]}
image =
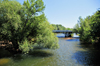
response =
{"points": [[67, 34]]}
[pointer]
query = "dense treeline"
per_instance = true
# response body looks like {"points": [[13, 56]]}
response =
{"points": [[60, 27], [89, 28], [26, 25]]}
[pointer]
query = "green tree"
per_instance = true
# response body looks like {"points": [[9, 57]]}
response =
{"points": [[46, 37], [24, 25], [10, 21], [95, 26], [59, 27], [89, 28], [83, 28]]}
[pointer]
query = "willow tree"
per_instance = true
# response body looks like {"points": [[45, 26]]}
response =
{"points": [[83, 28], [26, 25], [95, 26], [89, 28]]}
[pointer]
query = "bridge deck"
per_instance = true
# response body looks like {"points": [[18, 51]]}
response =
{"points": [[61, 31]]}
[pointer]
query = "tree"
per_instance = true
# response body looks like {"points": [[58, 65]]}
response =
{"points": [[83, 28], [95, 26], [60, 27], [89, 28], [10, 21], [24, 25]]}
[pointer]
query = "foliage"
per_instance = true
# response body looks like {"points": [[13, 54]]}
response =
{"points": [[46, 34], [25, 46], [95, 24], [89, 28], [26, 25], [60, 27]]}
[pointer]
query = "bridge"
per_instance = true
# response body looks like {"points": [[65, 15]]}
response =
{"points": [[66, 32]]}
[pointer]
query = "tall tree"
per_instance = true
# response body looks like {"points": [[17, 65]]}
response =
{"points": [[95, 26], [89, 28], [24, 24]]}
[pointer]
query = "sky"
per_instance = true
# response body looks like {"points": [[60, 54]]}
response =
{"points": [[67, 12]]}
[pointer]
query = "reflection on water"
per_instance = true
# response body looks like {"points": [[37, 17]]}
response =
{"points": [[75, 35], [61, 35], [73, 40], [70, 53]]}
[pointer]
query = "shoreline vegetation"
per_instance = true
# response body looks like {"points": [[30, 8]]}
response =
{"points": [[89, 29], [26, 26], [60, 27]]}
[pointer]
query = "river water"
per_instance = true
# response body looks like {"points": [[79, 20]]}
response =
{"points": [[70, 53]]}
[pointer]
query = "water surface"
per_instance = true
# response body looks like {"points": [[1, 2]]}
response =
{"points": [[70, 53]]}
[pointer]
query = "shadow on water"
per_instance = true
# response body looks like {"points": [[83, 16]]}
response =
{"points": [[4, 53], [36, 53], [89, 57], [39, 53]]}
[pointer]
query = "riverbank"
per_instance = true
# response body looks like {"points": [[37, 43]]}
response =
{"points": [[69, 38], [70, 53]]}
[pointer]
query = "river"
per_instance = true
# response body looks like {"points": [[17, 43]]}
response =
{"points": [[70, 53]]}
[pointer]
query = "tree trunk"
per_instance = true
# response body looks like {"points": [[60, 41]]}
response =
{"points": [[15, 44]]}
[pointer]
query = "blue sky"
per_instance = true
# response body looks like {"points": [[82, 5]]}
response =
{"points": [[67, 12]]}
